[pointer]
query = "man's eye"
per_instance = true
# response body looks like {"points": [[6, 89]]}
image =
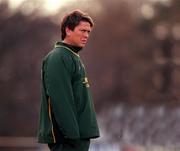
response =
{"points": [[83, 31]]}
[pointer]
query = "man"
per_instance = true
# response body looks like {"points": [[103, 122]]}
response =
{"points": [[67, 116]]}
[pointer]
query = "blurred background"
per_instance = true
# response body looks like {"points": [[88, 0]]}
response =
{"points": [[133, 64]]}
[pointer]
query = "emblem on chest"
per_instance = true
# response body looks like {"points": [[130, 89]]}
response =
{"points": [[86, 82]]}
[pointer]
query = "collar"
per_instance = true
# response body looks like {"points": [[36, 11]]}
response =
{"points": [[73, 49]]}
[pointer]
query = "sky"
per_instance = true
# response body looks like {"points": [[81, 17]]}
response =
{"points": [[53, 6], [50, 6]]}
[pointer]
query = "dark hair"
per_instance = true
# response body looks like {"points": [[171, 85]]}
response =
{"points": [[73, 19]]}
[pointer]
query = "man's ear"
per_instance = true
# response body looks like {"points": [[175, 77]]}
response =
{"points": [[68, 31]]}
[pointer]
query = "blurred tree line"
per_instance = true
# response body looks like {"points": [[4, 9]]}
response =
{"points": [[130, 58]]}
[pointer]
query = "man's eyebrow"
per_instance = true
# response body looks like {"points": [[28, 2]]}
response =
{"points": [[85, 30]]}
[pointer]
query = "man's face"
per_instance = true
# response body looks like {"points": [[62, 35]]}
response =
{"points": [[79, 36]]}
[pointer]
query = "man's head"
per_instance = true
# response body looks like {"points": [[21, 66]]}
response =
{"points": [[75, 28]]}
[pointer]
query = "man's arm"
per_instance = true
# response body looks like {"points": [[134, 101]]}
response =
{"points": [[59, 89]]}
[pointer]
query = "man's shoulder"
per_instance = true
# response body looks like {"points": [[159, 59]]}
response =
{"points": [[61, 51], [58, 58], [57, 53]]}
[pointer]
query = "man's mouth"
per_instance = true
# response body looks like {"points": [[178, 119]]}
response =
{"points": [[84, 41]]}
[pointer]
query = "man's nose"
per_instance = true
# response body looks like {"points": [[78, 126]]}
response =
{"points": [[86, 34]]}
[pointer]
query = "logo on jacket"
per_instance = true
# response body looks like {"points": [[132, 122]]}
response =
{"points": [[85, 81]]}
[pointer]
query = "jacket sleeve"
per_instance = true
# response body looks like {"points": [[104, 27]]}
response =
{"points": [[59, 88]]}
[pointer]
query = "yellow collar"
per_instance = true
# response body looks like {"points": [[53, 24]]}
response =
{"points": [[58, 46]]}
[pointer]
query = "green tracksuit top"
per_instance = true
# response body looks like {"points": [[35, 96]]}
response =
{"points": [[67, 110]]}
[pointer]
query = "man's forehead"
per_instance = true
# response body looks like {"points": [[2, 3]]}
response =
{"points": [[84, 23]]}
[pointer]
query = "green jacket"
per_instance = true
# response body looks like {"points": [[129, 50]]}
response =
{"points": [[67, 110]]}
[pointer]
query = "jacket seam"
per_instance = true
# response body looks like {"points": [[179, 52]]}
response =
{"points": [[50, 117]]}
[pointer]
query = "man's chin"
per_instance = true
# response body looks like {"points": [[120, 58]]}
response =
{"points": [[83, 44]]}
